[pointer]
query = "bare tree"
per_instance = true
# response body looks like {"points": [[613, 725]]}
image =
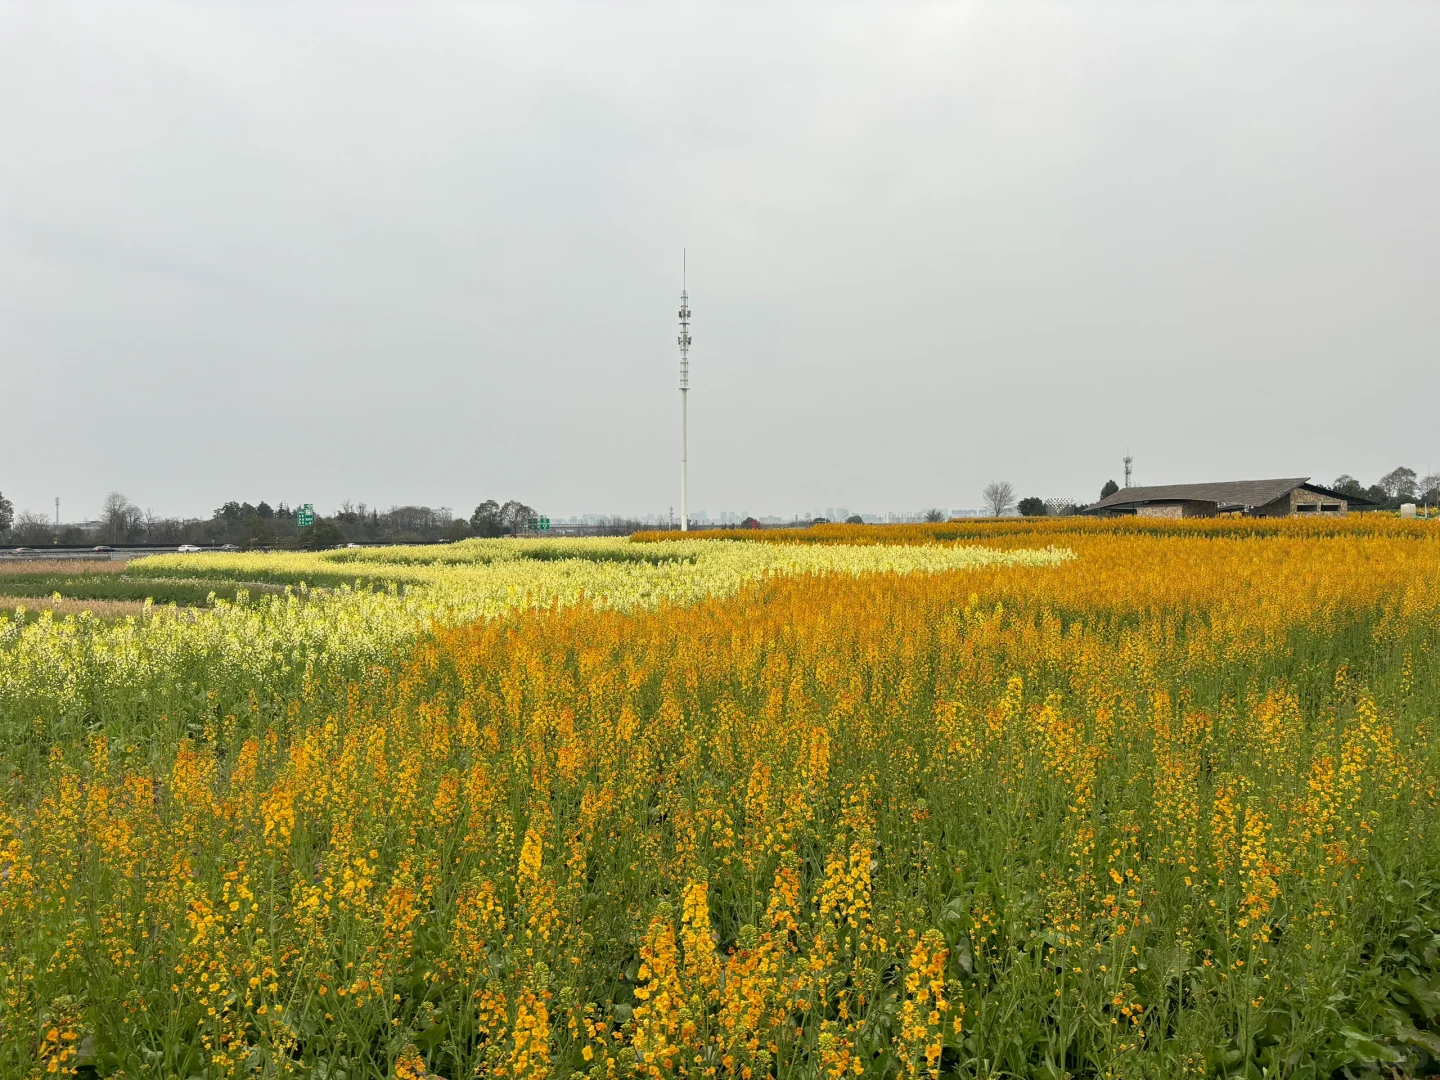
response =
{"points": [[999, 496], [515, 516], [418, 519], [160, 530], [120, 519], [32, 528], [1428, 488], [934, 514], [485, 521], [1399, 483]]}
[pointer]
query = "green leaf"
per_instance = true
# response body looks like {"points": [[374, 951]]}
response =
{"points": [[1416, 1037], [1365, 1050]]}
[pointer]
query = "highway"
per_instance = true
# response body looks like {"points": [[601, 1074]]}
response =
{"points": [[87, 553]]}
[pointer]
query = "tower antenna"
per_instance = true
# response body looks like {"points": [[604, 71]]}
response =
{"points": [[1129, 461], [684, 393]]}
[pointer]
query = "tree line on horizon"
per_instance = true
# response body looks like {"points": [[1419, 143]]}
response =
{"points": [[247, 525], [261, 525]]}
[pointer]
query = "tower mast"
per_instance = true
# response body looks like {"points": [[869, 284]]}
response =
{"points": [[684, 393]]}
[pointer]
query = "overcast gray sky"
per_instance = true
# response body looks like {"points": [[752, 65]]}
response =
{"points": [[410, 253]]}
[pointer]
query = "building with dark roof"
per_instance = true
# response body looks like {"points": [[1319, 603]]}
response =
{"points": [[1291, 497]]}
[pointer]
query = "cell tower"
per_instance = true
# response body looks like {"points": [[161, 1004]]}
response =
{"points": [[1129, 461], [684, 392]]}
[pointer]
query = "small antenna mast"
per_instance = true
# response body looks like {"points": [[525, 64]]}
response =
{"points": [[1129, 461], [684, 393]]}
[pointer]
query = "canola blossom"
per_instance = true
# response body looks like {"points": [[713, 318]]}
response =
{"points": [[1169, 807], [478, 578], [169, 662]]}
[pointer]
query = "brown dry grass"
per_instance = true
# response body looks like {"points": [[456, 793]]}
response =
{"points": [[103, 609], [62, 566]]}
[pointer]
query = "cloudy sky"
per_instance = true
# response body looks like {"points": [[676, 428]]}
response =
{"points": [[410, 253]]}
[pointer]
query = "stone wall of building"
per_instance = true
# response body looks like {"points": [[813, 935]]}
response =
{"points": [[1300, 497], [1178, 509], [1288, 505]]}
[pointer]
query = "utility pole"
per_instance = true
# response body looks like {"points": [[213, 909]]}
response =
{"points": [[684, 394], [57, 511]]}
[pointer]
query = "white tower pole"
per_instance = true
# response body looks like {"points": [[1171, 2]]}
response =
{"points": [[684, 461], [684, 404]]}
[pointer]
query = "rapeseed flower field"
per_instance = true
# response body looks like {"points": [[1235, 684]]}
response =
{"points": [[1091, 801]]}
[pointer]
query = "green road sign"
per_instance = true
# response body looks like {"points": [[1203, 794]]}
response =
{"points": [[539, 524], [305, 516]]}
